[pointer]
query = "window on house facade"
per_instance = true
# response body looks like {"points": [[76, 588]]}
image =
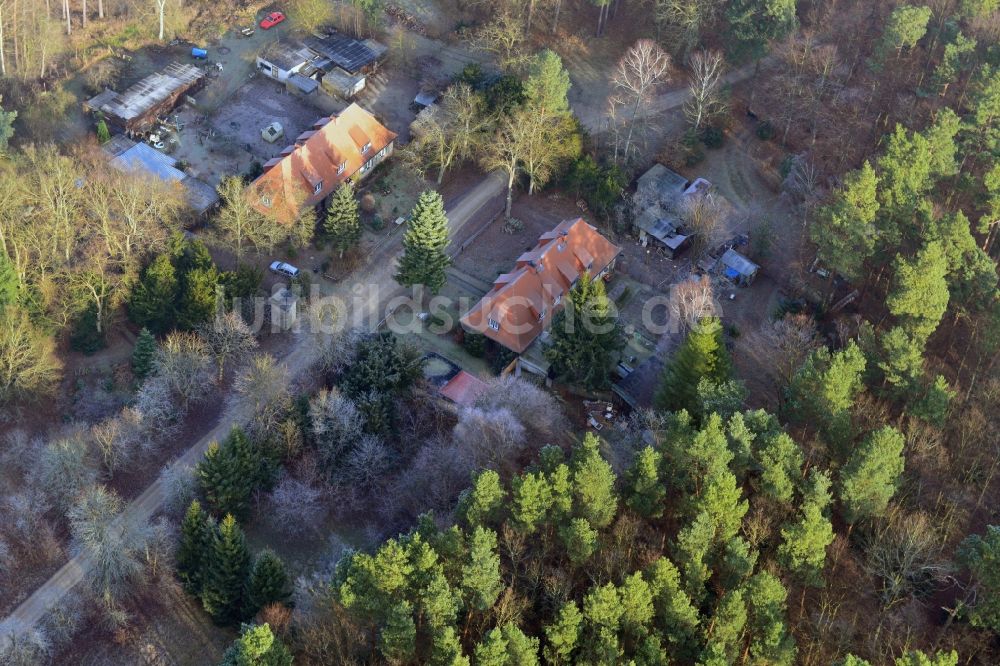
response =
{"points": [[494, 324], [367, 147], [266, 200], [318, 187], [557, 300], [541, 315]]}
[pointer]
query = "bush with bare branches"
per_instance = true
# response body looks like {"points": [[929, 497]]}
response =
{"points": [[536, 409]]}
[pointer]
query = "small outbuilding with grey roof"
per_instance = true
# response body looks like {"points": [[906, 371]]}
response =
{"points": [[736, 268]]}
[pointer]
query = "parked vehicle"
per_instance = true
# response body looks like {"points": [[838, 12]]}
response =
{"points": [[271, 20], [281, 268]]}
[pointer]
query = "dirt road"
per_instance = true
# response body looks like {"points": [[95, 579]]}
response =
{"points": [[378, 275]]}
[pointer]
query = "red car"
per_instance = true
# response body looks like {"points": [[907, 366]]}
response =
{"points": [[271, 20]]}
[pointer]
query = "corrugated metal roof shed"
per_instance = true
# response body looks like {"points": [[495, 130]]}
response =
{"points": [[739, 263], [145, 157], [345, 52]]}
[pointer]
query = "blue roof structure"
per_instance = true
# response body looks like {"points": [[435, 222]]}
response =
{"points": [[144, 157]]}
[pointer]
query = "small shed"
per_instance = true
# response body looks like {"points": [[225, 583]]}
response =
{"points": [[284, 305], [301, 85], [284, 58], [661, 183], [137, 109], [424, 99], [338, 82], [737, 269]]}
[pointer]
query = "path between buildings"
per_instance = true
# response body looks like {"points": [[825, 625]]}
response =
{"points": [[596, 120], [378, 275]]}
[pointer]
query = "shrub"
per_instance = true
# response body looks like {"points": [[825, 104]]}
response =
{"points": [[712, 137]]}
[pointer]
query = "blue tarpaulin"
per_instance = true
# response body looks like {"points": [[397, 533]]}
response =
{"points": [[732, 273], [198, 53]]}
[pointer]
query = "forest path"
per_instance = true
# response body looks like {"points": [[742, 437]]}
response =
{"points": [[379, 287]]}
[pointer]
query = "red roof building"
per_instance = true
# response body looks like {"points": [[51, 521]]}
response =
{"points": [[523, 301], [337, 148]]}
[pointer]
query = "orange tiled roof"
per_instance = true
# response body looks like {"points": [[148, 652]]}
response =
{"points": [[523, 301], [464, 388], [307, 172]]}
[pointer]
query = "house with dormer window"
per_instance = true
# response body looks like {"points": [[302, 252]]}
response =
{"points": [[344, 146], [522, 303]]}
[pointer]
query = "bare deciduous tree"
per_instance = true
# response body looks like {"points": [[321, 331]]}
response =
{"points": [[228, 339], [66, 468], [534, 408], [691, 301], [504, 38], [778, 348], [451, 130], [240, 223], [114, 543], [336, 426], [265, 383], [493, 436], [295, 507], [705, 99], [707, 220], [182, 359], [904, 554], [118, 439], [643, 68]]}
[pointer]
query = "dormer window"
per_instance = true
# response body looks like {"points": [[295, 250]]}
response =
{"points": [[557, 300], [541, 315], [340, 169], [494, 324], [560, 246], [266, 200], [318, 187], [366, 148]]}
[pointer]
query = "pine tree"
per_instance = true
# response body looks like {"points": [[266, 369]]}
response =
{"points": [[563, 635], [871, 475], [10, 283], [257, 646], [724, 634], [481, 580], [702, 355], [770, 642], [143, 353], [424, 258], [267, 584], [398, 639], [780, 461], [593, 483], [675, 615], [824, 390], [933, 405], [602, 610], [547, 85], [523, 649], [920, 295], [226, 574], [844, 229], [803, 550], [342, 225], [981, 556], [644, 487], [586, 336], [229, 473], [481, 503], [637, 605], [531, 499], [918, 658], [446, 649], [492, 650], [152, 303], [194, 550], [579, 540]]}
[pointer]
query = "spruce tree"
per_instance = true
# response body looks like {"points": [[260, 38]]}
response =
{"points": [[143, 353], [424, 258], [226, 574], [152, 302], [267, 584], [194, 550], [871, 475], [803, 550], [342, 225], [702, 355], [586, 336], [229, 473]]}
